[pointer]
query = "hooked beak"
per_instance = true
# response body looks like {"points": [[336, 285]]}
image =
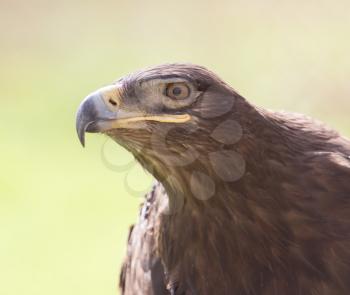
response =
{"points": [[90, 112], [100, 112]]}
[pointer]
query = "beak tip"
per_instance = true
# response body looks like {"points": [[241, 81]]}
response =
{"points": [[81, 136], [82, 121], [89, 111], [82, 141]]}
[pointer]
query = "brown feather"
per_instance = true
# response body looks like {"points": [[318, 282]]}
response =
{"points": [[283, 227]]}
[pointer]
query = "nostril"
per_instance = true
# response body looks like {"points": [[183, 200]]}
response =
{"points": [[112, 102]]}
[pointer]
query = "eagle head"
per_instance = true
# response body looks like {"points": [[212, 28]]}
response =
{"points": [[174, 118]]}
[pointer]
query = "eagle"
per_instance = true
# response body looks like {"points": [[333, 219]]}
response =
{"points": [[247, 201]]}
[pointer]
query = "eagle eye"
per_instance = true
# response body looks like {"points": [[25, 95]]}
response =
{"points": [[177, 90]]}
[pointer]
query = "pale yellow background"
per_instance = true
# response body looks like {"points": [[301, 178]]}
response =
{"points": [[64, 213]]}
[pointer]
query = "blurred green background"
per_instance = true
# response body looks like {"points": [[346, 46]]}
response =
{"points": [[64, 213]]}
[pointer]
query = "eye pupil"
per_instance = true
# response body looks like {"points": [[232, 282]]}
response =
{"points": [[177, 91]]}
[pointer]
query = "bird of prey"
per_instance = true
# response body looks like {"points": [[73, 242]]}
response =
{"points": [[247, 201]]}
